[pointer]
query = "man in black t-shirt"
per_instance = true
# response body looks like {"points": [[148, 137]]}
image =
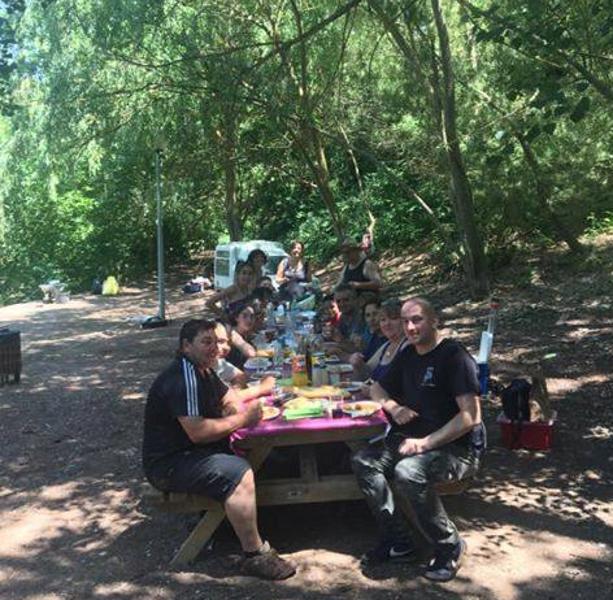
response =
{"points": [[431, 394], [189, 417]]}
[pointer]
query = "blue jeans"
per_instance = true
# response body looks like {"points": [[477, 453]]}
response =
{"points": [[413, 477]]}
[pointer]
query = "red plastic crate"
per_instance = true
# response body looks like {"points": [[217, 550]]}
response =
{"points": [[531, 436]]}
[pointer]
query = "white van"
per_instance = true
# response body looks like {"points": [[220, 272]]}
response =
{"points": [[227, 255]]}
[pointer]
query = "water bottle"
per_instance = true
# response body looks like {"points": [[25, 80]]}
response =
{"points": [[277, 356], [270, 316]]}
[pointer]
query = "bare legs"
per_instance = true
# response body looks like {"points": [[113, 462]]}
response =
{"points": [[241, 511]]}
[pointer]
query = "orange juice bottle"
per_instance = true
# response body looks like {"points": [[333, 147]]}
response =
{"points": [[299, 371]]}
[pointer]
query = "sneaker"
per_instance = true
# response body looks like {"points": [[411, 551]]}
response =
{"points": [[267, 564], [444, 566], [389, 551]]}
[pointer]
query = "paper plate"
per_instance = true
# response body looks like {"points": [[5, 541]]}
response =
{"points": [[270, 412], [257, 364], [362, 408]]}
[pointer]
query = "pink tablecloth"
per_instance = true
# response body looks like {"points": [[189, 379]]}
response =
{"points": [[280, 425]]}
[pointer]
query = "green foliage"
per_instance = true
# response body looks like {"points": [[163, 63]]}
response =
{"points": [[258, 127]]}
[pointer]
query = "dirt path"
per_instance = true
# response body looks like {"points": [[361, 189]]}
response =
{"points": [[538, 525]]}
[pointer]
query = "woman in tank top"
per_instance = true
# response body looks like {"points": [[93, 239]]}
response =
{"points": [[293, 272]]}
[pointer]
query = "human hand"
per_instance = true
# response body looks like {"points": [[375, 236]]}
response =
{"points": [[267, 384], [356, 359], [252, 413], [402, 414], [411, 446]]}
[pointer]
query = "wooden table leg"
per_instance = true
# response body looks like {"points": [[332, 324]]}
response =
{"points": [[212, 518]]}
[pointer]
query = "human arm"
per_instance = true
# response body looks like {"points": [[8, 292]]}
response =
{"points": [[361, 370], [201, 430], [468, 416], [243, 345], [211, 302], [281, 278], [265, 386], [374, 282], [399, 413], [239, 381]]}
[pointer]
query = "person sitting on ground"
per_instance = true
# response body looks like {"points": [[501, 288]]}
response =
{"points": [[431, 393], [350, 325], [378, 364], [189, 416], [360, 272], [293, 273], [257, 259], [235, 294]]}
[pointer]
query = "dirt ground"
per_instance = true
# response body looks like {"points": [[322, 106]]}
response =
{"points": [[73, 523]]}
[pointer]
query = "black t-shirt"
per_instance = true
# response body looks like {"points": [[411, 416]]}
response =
{"points": [[429, 384], [179, 391]]}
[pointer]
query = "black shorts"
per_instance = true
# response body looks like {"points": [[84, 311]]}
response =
{"points": [[211, 474]]}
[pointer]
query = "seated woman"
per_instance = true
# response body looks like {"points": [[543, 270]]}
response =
{"points": [[225, 300], [242, 321], [391, 327], [257, 259], [293, 273], [373, 339]]}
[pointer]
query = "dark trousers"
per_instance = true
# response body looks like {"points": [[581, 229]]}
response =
{"points": [[413, 477]]}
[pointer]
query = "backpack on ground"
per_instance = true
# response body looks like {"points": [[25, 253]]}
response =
{"points": [[516, 400]]}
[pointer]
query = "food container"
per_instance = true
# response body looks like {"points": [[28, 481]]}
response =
{"points": [[319, 373], [530, 435], [334, 374]]}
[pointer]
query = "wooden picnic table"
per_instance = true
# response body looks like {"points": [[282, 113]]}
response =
{"points": [[256, 444]]}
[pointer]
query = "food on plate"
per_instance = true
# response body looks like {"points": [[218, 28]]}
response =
{"points": [[321, 391], [351, 386], [301, 402], [270, 412], [362, 408]]}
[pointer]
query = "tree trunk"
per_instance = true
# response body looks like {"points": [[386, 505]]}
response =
{"points": [[474, 263], [227, 139], [307, 135], [543, 194]]}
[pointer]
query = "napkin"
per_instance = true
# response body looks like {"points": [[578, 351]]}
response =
{"points": [[303, 413]]}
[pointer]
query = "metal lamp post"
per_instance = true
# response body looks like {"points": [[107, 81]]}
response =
{"points": [[159, 320]]}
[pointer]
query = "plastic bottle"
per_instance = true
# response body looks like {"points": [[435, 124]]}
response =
{"points": [[308, 361], [277, 356], [270, 316]]}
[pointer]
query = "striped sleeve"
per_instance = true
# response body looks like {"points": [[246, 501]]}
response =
{"points": [[190, 382]]}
